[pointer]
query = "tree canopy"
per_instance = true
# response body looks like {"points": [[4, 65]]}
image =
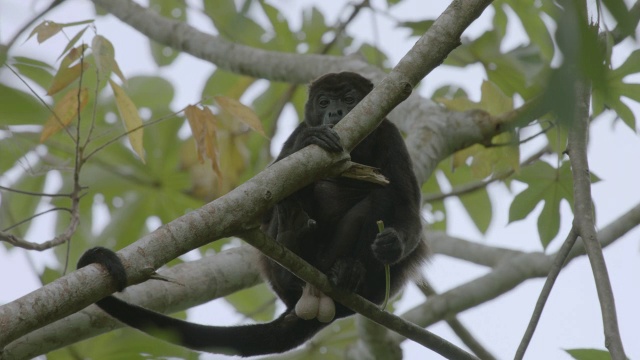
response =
{"points": [[156, 138]]}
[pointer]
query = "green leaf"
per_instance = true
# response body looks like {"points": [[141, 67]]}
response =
{"points": [[609, 93], [418, 28], [38, 71], [589, 354], [17, 207], [73, 41], [176, 10], [373, 55], [500, 19], [257, 302], [536, 30], [518, 71], [477, 203], [284, 39], [620, 12], [232, 25], [313, 28], [548, 185], [224, 82], [123, 344], [630, 66], [49, 275], [19, 108], [436, 209]]}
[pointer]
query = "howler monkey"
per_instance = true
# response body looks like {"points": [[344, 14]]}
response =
{"points": [[330, 223]]}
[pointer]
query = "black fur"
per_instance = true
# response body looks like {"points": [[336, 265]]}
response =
{"points": [[330, 223]]}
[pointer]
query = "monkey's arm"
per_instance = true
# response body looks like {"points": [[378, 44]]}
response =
{"points": [[402, 223], [305, 135]]}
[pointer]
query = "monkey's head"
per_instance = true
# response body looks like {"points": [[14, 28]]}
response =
{"points": [[332, 96]]}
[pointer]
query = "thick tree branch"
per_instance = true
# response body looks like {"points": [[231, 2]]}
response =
{"points": [[194, 283], [240, 265], [236, 211]]}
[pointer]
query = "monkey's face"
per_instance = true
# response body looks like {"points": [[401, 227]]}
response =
{"points": [[332, 96], [331, 108]]}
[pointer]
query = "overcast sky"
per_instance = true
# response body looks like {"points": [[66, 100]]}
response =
{"points": [[572, 316]]}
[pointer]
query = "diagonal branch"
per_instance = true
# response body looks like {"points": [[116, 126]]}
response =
{"points": [[237, 211], [584, 220], [234, 269]]}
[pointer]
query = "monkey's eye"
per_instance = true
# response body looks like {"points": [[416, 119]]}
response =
{"points": [[349, 99], [323, 102]]}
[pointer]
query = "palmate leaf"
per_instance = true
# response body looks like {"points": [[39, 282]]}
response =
{"points": [[284, 39], [547, 185], [610, 93]]}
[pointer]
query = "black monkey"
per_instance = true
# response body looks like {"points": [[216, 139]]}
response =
{"points": [[330, 223]]}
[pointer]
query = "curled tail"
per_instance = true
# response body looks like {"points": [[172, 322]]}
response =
{"points": [[282, 334]]}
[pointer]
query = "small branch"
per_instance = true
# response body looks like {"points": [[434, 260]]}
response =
{"points": [[527, 112], [308, 273], [33, 193], [471, 187], [44, 103], [24, 28], [560, 259], [584, 221], [202, 287]]}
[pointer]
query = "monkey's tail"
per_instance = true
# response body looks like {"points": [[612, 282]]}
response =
{"points": [[282, 334]]}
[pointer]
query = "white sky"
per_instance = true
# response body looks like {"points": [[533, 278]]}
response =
{"points": [[572, 316]]}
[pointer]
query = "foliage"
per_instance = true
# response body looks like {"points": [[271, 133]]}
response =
{"points": [[123, 149]]}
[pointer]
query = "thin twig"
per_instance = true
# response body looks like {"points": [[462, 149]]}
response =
{"points": [[315, 277], [35, 216], [471, 187], [24, 28], [65, 128], [33, 193], [554, 271], [584, 219]]}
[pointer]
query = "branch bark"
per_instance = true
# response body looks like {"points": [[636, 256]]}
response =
{"points": [[237, 211], [584, 222], [238, 268]]}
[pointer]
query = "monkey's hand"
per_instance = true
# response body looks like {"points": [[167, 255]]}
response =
{"points": [[109, 260], [388, 246], [323, 136]]}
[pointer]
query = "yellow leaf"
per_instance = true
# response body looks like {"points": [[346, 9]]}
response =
{"points": [[66, 76], [494, 101], [241, 112], [458, 104], [130, 118], [45, 30], [203, 125], [65, 110]]}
